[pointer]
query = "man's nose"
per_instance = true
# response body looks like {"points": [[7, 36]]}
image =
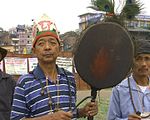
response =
{"points": [[144, 63], [47, 45]]}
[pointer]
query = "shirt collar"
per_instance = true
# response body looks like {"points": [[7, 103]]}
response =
{"points": [[38, 72], [132, 82]]}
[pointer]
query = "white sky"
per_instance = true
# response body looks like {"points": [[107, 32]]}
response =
{"points": [[64, 12]]}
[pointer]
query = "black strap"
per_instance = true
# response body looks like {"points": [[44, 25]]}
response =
{"points": [[69, 88], [131, 97]]}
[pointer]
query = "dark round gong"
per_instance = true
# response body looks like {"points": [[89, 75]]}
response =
{"points": [[104, 55]]}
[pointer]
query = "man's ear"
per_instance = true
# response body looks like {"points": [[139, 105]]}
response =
{"points": [[60, 49], [33, 52]]}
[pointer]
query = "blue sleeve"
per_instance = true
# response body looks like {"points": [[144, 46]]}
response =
{"points": [[19, 106], [114, 111]]}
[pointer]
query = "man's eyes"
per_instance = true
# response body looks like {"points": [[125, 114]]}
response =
{"points": [[145, 59], [53, 42], [41, 43], [44, 42]]}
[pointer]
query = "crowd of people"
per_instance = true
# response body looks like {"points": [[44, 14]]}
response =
{"points": [[49, 92]]}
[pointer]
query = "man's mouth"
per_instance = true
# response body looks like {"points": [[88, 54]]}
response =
{"points": [[47, 53], [143, 70]]}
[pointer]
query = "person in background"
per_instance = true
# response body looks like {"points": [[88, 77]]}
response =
{"points": [[7, 86], [48, 92], [130, 99]]}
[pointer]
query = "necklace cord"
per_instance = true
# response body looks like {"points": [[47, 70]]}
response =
{"points": [[48, 94], [139, 97], [41, 84], [131, 97], [43, 88], [69, 88]]}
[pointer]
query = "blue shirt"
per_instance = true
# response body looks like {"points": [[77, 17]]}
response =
{"points": [[120, 103], [28, 101]]}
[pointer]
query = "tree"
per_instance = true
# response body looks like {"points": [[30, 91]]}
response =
{"points": [[130, 9], [69, 40], [4, 37]]}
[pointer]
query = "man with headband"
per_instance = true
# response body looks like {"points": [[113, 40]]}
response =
{"points": [[48, 92]]}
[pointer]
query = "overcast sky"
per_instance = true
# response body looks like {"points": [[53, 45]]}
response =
{"points": [[64, 12]]}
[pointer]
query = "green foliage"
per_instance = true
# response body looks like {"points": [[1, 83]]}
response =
{"points": [[104, 5], [103, 98], [129, 10]]}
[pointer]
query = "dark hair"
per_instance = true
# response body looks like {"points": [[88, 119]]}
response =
{"points": [[142, 47]]}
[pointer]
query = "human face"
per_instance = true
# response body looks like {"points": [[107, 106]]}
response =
{"points": [[142, 65], [47, 49]]}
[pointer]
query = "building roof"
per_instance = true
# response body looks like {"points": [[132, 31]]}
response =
{"points": [[86, 14], [138, 30]]}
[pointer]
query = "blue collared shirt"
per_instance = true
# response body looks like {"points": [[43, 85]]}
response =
{"points": [[120, 103], [28, 101]]}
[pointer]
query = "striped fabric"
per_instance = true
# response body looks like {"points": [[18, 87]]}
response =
{"points": [[28, 101]]}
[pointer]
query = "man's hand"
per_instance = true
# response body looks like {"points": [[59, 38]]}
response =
{"points": [[90, 109], [60, 115]]}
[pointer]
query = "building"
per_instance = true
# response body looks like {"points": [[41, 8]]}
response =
{"points": [[22, 39], [15, 43], [88, 19], [139, 28], [9, 48]]}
